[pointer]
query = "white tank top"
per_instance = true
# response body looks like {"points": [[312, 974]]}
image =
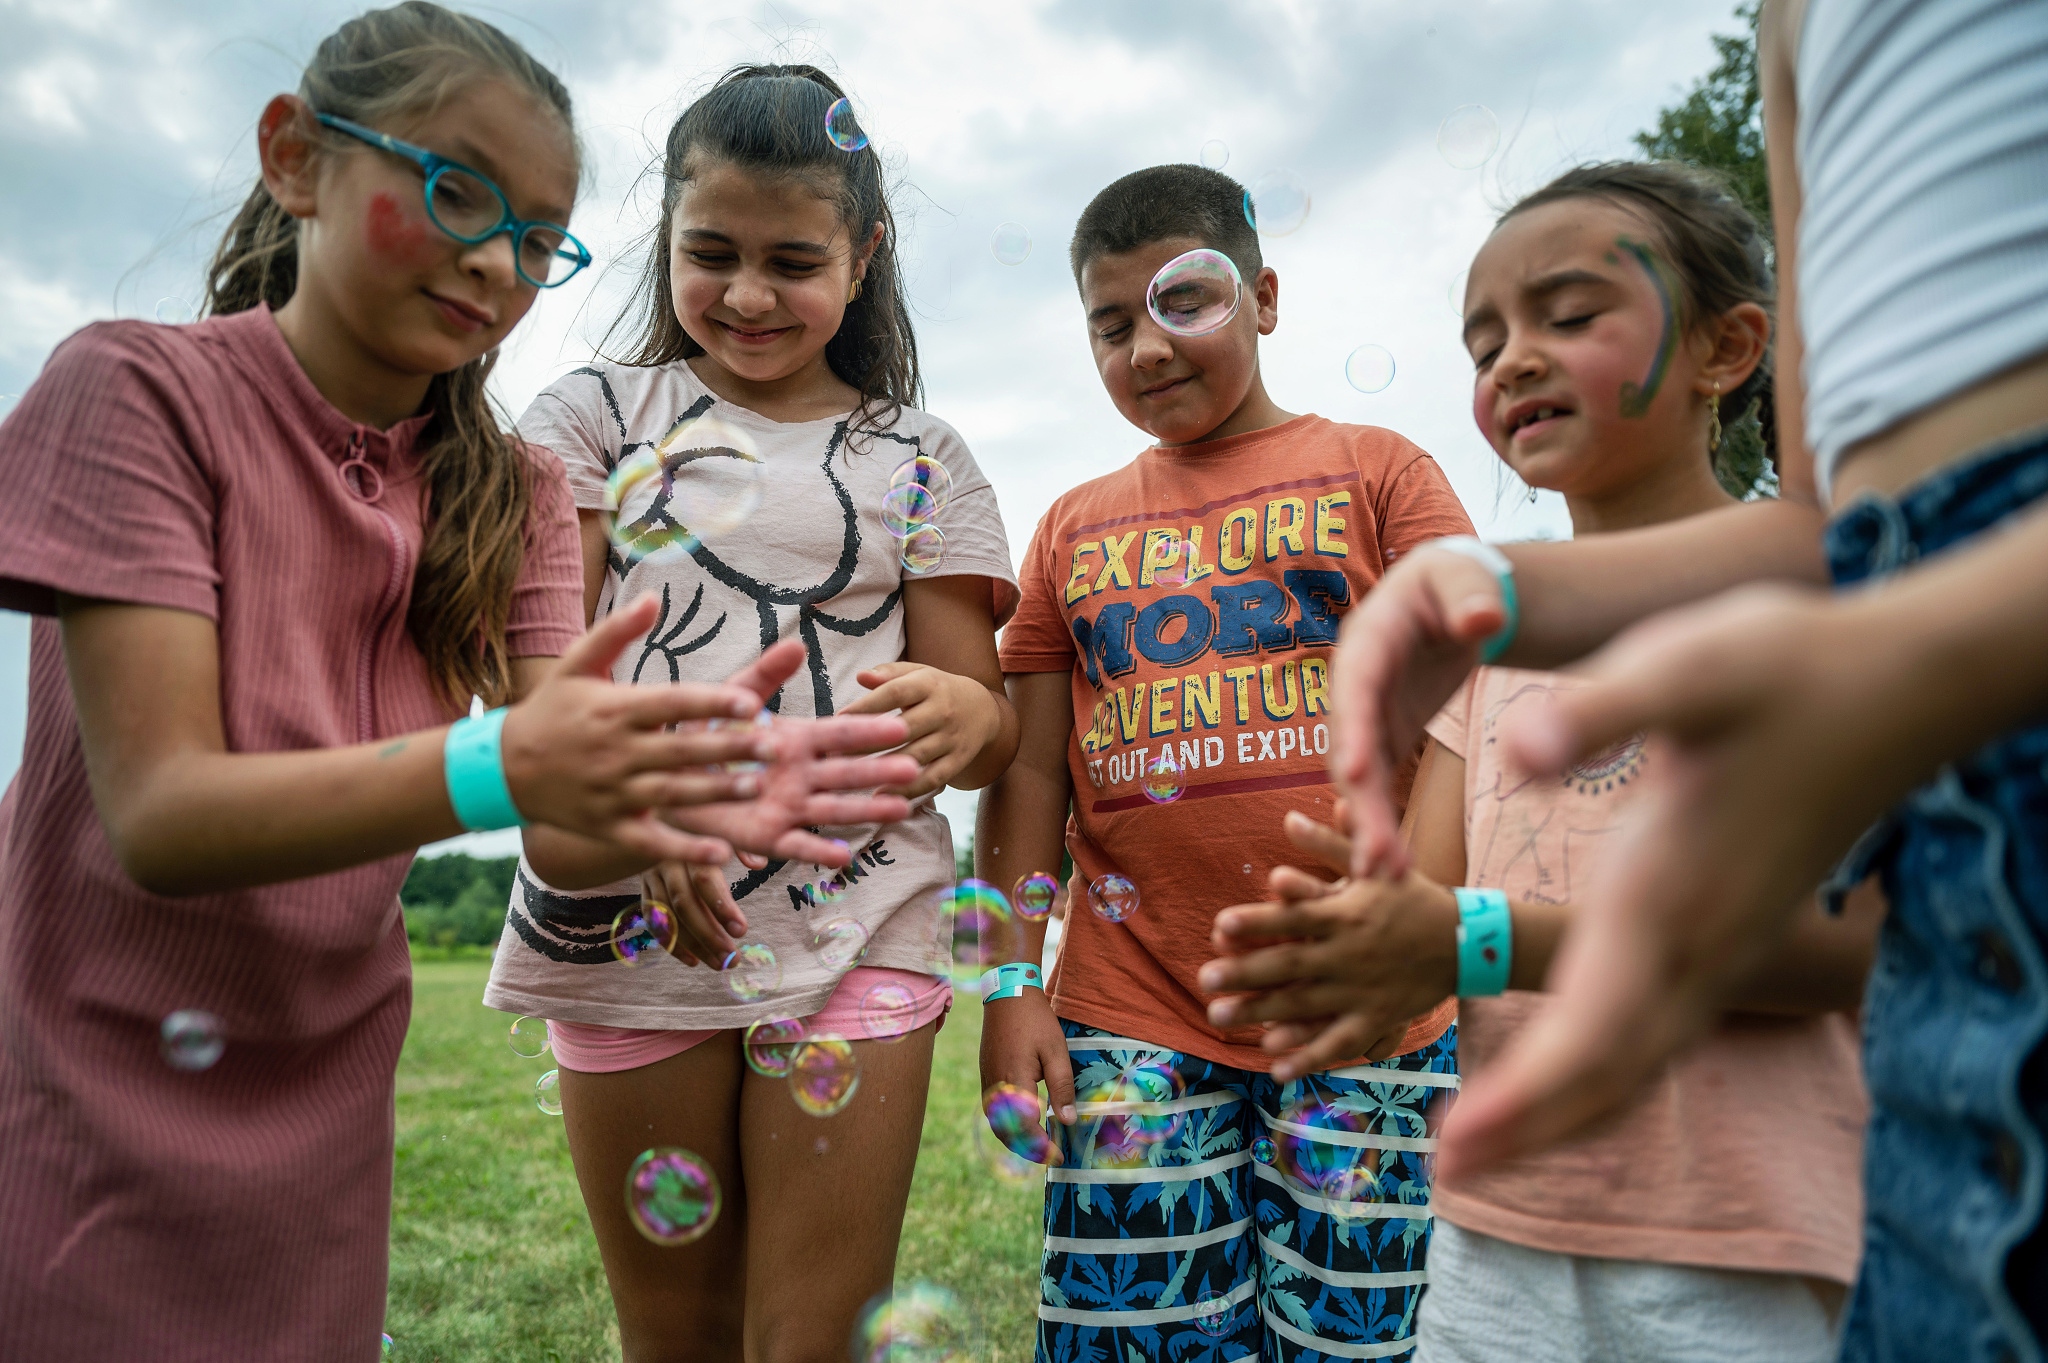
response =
{"points": [[1923, 239]]}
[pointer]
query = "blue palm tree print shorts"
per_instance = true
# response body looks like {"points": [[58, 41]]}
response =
{"points": [[1238, 1218]]}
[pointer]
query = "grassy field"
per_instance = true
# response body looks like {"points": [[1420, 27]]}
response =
{"points": [[491, 1254]]}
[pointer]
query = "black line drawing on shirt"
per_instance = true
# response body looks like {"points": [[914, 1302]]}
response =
{"points": [[665, 644], [575, 930], [1512, 836]]}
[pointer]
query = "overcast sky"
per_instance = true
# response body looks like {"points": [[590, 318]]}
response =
{"points": [[130, 133]]}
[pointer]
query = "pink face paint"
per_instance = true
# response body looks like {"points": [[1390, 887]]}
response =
{"points": [[394, 233]]}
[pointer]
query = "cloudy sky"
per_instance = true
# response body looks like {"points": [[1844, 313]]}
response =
{"points": [[131, 135]]}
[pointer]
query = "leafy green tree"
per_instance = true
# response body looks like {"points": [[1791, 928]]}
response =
{"points": [[1720, 124], [457, 900]]}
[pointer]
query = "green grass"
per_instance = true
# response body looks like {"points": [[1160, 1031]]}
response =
{"points": [[492, 1257]]}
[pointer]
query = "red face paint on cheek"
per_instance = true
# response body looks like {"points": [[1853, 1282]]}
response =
{"points": [[394, 233]]}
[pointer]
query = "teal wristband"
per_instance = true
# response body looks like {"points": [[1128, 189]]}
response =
{"points": [[1008, 981], [1503, 570], [475, 769], [1485, 942]]}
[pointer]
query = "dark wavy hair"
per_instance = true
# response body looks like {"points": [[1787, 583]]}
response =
{"points": [[386, 64], [770, 120], [1715, 246]]}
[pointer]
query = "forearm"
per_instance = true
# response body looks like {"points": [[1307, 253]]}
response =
{"points": [[571, 861], [996, 754], [1020, 831], [203, 822], [1575, 596]]}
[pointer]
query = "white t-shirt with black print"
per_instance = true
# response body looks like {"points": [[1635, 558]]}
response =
{"points": [[813, 562]]}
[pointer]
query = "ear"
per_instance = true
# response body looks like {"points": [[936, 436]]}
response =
{"points": [[1735, 346], [1265, 293], [866, 253], [286, 142]]}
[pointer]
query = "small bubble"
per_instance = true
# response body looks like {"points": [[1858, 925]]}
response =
{"points": [[1194, 294], [703, 477], [751, 973], [1454, 292], [928, 473], [192, 1040], [1163, 780], [547, 1093], [820, 1146], [978, 931], [1212, 1317], [672, 1195], [840, 943], [1215, 155], [1035, 895], [649, 929], [1468, 138], [1011, 243], [1277, 203], [907, 508], [530, 1038], [888, 1012], [1369, 369], [387, 1346], [770, 1046], [825, 1074], [1010, 1133], [1247, 868], [841, 126], [1262, 1150], [923, 550], [917, 1321], [1113, 897], [173, 312]]}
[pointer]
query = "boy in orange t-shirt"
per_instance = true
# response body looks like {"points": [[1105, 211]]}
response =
{"points": [[1169, 664]]}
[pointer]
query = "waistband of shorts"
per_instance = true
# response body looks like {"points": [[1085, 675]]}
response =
{"points": [[1876, 535]]}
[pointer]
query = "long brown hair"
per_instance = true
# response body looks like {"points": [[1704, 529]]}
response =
{"points": [[479, 481], [1718, 250], [771, 120]]}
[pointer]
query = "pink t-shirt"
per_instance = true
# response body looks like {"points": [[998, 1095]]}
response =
{"points": [[241, 1211], [1745, 1154]]}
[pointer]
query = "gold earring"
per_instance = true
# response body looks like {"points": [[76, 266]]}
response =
{"points": [[854, 292], [1714, 420]]}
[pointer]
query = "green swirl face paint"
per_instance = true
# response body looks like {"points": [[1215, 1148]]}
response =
{"points": [[1636, 398]]}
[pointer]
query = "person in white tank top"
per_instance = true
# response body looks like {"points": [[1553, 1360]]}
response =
{"points": [[1783, 722]]}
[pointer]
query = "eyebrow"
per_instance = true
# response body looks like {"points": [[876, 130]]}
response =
{"points": [[705, 234], [1097, 314], [476, 158], [1537, 290]]}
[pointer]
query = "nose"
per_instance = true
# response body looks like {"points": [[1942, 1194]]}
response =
{"points": [[1150, 347], [491, 261], [1520, 361], [749, 294]]}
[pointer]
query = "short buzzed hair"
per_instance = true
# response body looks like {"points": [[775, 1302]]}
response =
{"points": [[1161, 202]]}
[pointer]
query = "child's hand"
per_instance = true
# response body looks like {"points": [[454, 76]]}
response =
{"points": [[807, 785], [709, 925], [1354, 961], [950, 718], [1021, 1043]]}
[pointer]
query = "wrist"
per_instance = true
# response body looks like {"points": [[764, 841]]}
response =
{"points": [[1485, 942], [473, 767], [1502, 570]]}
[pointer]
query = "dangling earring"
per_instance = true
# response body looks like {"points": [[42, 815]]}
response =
{"points": [[1714, 420], [854, 292]]}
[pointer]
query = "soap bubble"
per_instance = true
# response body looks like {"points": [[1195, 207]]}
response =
{"points": [[704, 477], [923, 549], [751, 973], [1194, 294], [917, 1323], [1113, 897], [1213, 1317], [1456, 293], [980, 933], [1011, 243], [387, 1346], [1168, 560], [547, 1093], [888, 1012], [1016, 1116], [1469, 137], [1315, 1148], [1349, 1186], [672, 1195], [1163, 780], [1035, 895], [1277, 203], [1121, 1116], [173, 311], [906, 508], [771, 1044], [1262, 1150], [1215, 155], [840, 943], [824, 1074], [650, 927], [928, 473], [530, 1038], [998, 1158], [192, 1040], [1369, 369], [841, 126]]}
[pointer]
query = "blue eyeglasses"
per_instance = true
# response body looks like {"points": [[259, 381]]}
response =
{"points": [[469, 208]]}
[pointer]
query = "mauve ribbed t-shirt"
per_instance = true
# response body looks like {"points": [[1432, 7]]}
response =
{"points": [[241, 1211]]}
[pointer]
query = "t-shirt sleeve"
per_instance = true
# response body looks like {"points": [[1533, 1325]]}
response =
{"points": [[578, 417], [1454, 721], [1037, 639], [108, 494], [976, 543], [1419, 506], [547, 601]]}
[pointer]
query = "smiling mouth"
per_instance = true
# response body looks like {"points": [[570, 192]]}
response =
{"points": [[1536, 416], [754, 335]]}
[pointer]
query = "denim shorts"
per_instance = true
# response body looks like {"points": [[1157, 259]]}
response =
{"points": [[1241, 1233], [1954, 1264]]}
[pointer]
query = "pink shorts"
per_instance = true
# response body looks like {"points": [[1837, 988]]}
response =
{"points": [[591, 1048]]}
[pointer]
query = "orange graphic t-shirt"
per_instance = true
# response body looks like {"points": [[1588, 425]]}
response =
{"points": [[1194, 595]]}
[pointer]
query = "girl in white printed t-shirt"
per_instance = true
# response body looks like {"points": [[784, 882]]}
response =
{"points": [[775, 328]]}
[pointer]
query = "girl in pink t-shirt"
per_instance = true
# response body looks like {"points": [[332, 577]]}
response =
{"points": [[1618, 322], [271, 556]]}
